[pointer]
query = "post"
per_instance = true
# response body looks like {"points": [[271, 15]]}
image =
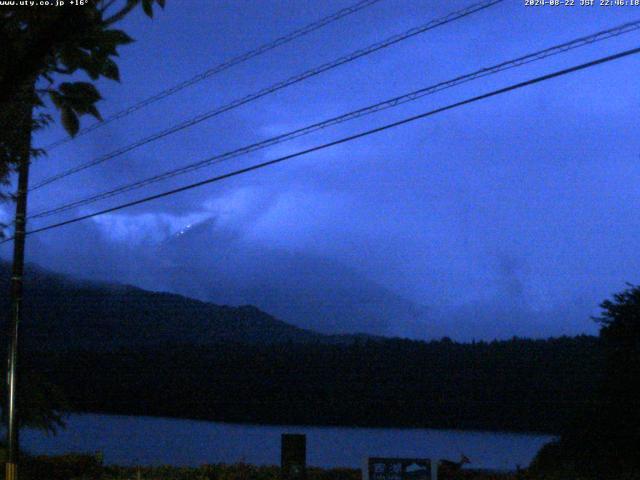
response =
{"points": [[16, 314], [23, 134], [293, 459], [434, 468]]}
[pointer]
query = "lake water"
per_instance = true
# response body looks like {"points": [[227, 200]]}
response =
{"points": [[127, 440]]}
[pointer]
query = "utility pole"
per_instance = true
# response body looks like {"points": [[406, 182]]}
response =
{"points": [[23, 129]]}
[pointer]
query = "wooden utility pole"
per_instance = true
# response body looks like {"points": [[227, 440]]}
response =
{"points": [[23, 127]]}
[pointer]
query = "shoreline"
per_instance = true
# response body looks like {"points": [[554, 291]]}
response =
{"points": [[540, 433]]}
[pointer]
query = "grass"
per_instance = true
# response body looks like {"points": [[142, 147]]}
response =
{"points": [[221, 472], [90, 467]]}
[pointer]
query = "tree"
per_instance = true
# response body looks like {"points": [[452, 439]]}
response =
{"points": [[40, 44], [620, 336], [603, 442], [43, 403]]}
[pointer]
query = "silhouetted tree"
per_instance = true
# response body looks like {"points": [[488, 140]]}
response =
{"points": [[620, 335], [39, 44], [43, 403], [603, 441]]}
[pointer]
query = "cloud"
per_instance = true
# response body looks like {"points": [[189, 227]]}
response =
{"points": [[509, 216], [144, 227]]}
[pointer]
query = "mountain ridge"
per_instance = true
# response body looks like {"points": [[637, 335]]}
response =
{"points": [[119, 349], [214, 262], [64, 312]]}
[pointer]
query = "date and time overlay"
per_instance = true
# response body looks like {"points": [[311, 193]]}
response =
{"points": [[527, 3], [581, 3]]}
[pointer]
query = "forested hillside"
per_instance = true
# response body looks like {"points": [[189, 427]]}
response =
{"points": [[61, 312], [529, 385], [121, 349]]}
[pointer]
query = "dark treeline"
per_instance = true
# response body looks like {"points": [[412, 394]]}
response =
{"points": [[520, 384], [106, 347]]}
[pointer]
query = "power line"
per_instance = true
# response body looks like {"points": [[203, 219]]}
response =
{"points": [[366, 133], [220, 68], [390, 103], [273, 88]]}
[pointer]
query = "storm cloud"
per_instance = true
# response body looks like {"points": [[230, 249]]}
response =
{"points": [[512, 216]]}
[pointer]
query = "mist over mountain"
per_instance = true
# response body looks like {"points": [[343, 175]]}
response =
{"points": [[302, 289], [215, 257]]}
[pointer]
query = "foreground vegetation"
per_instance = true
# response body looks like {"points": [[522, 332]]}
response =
{"points": [[589, 383], [247, 472], [90, 467]]}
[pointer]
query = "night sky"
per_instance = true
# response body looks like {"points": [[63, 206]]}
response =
{"points": [[516, 215]]}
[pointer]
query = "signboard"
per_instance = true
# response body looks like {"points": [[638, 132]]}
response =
{"points": [[379, 468], [293, 460]]}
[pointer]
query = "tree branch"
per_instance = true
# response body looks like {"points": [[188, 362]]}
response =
{"points": [[131, 4], [21, 69], [106, 5]]}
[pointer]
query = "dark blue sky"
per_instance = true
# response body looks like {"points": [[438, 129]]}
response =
{"points": [[515, 215]]}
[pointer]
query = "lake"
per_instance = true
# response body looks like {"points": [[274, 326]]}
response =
{"points": [[129, 440]]}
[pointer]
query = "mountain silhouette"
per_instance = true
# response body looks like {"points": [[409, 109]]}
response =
{"points": [[62, 312], [212, 263]]}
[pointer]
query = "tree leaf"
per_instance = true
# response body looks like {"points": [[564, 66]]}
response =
{"points": [[147, 6], [114, 38], [79, 92], [71, 57], [92, 110], [93, 70], [37, 101], [56, 98], [110, 70], [38, 152], [70, 120]]}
